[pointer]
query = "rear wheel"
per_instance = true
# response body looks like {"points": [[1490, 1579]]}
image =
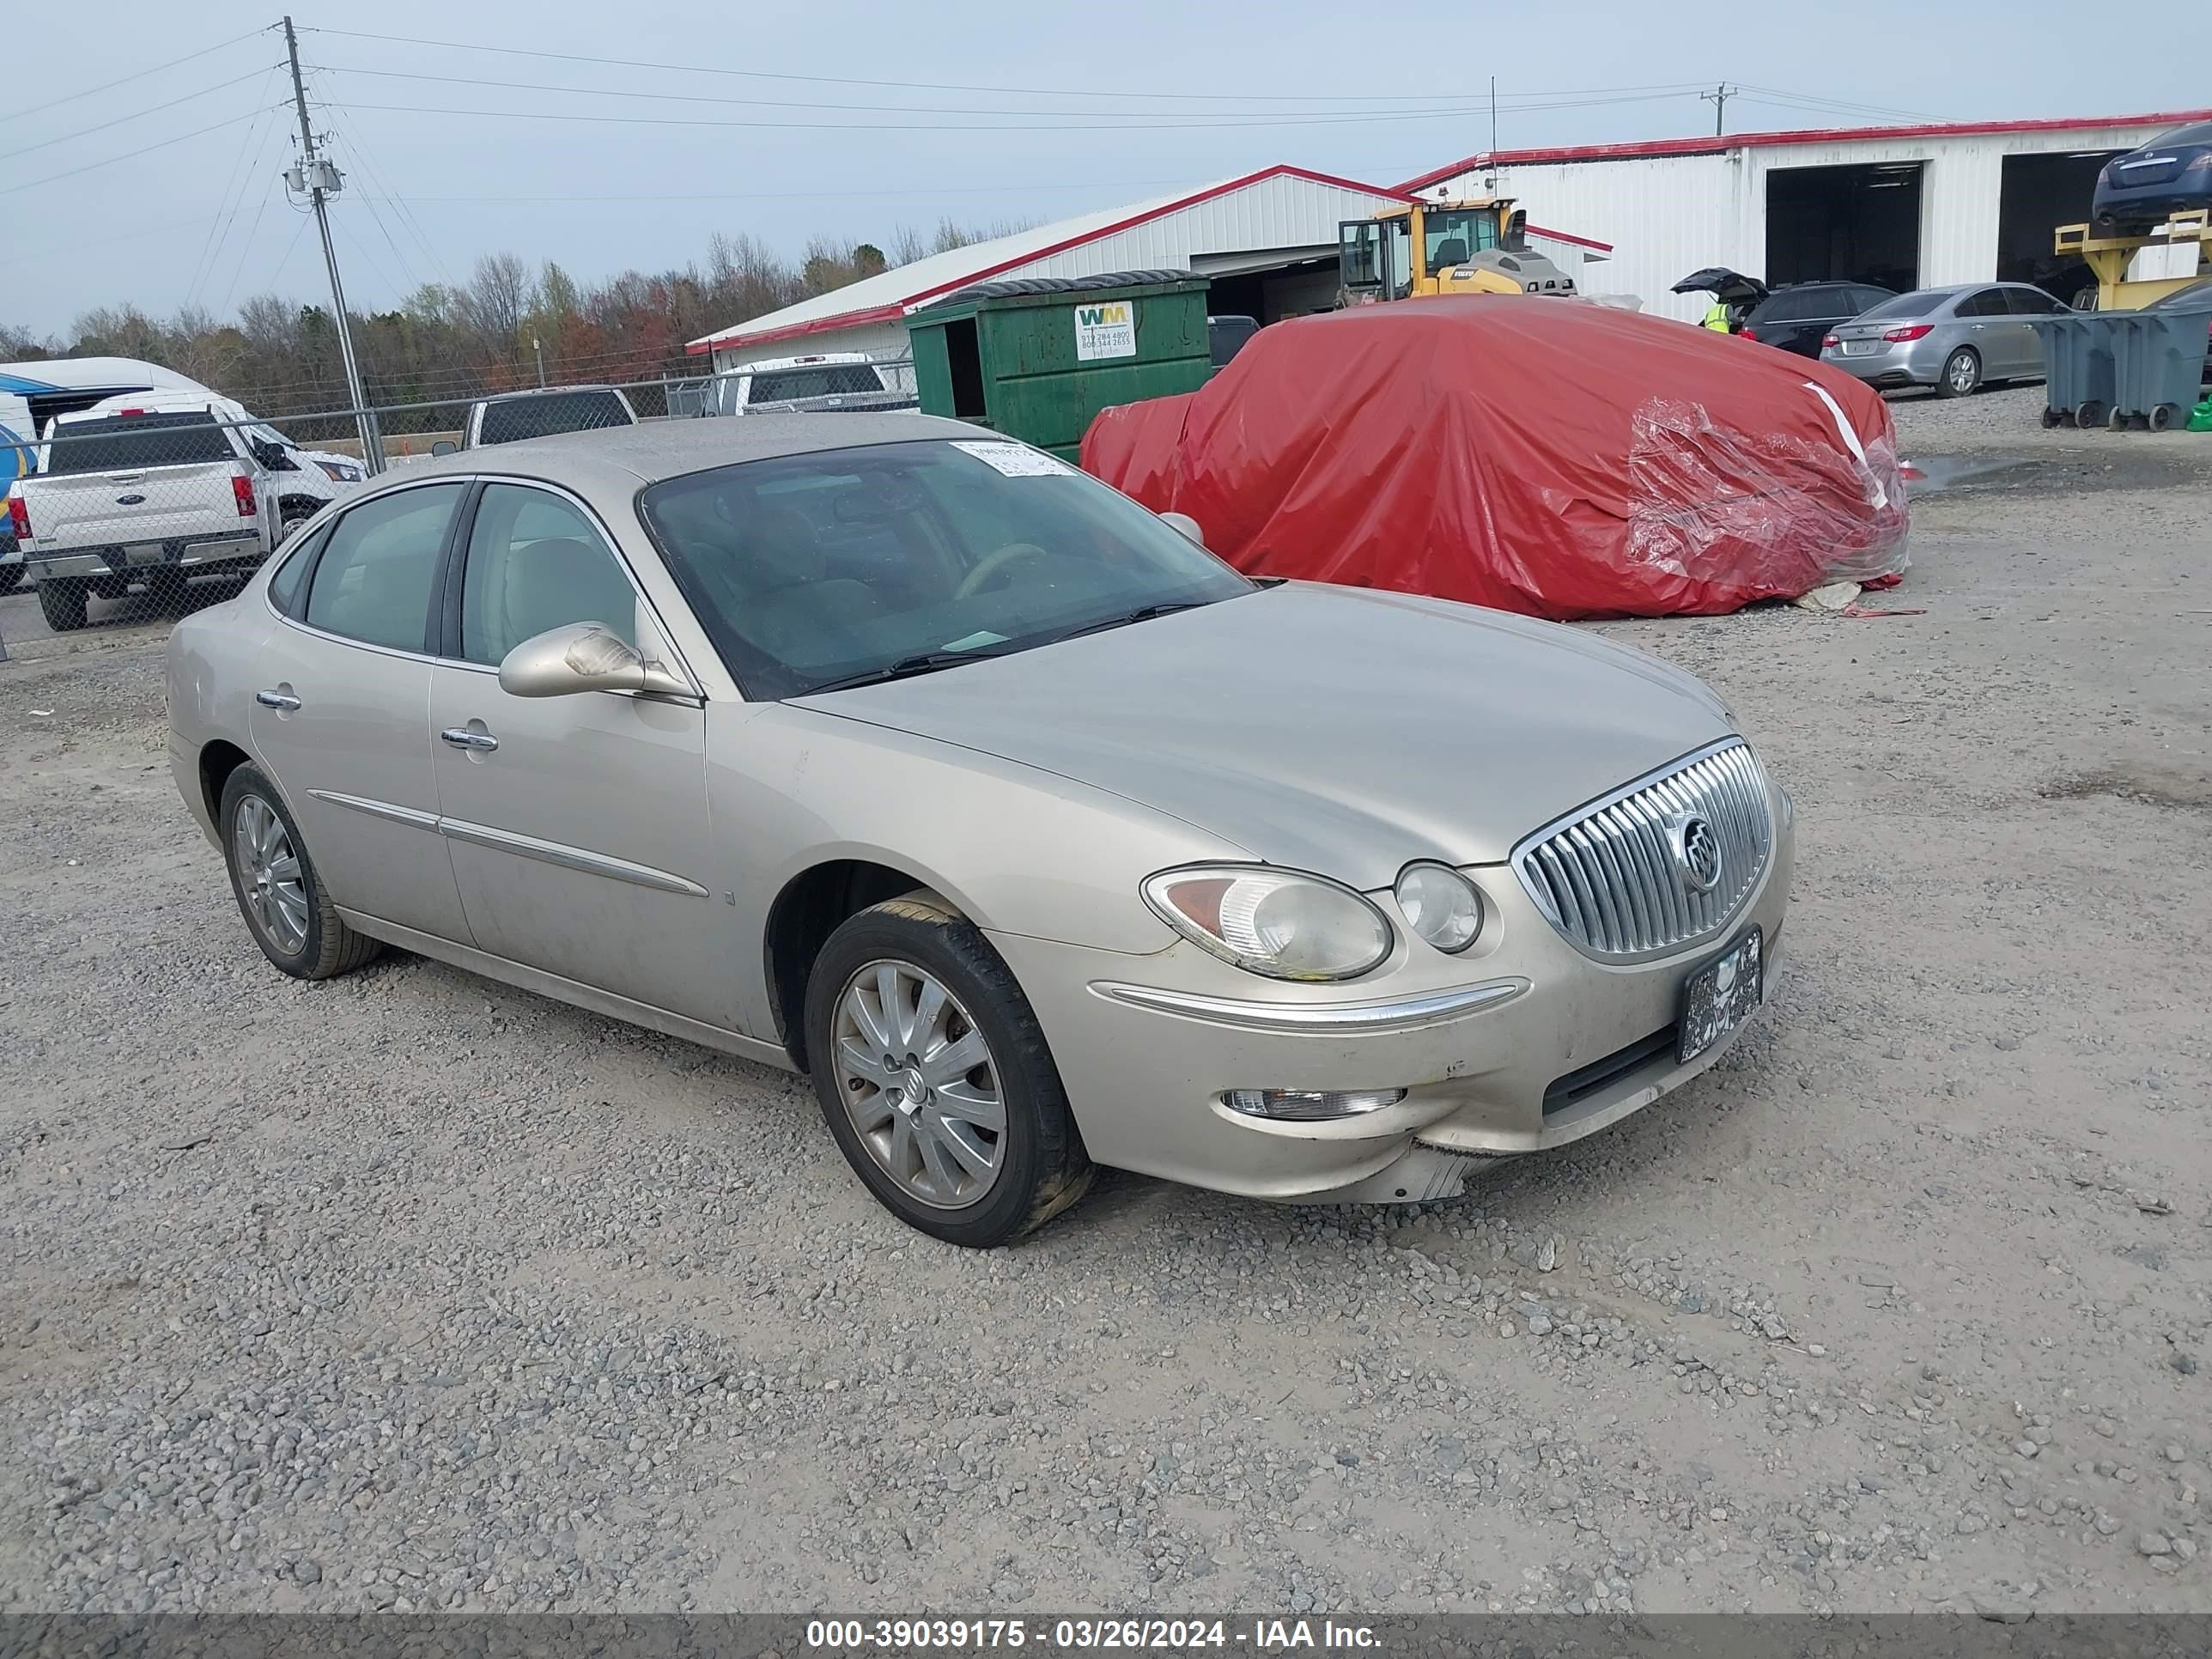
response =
{"points": [[1962, 374], [278, 892], [61, 602], [935, 1079]]}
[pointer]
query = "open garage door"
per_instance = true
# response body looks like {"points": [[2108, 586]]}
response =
{"points": [[2040, 193], [1854, 224]]}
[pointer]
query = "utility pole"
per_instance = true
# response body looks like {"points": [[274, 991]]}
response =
{"points": [[1718, 98], [319, 179], [1490, 179]]}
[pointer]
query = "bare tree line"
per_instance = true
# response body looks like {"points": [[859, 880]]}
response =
{"points": [[280, 356]]}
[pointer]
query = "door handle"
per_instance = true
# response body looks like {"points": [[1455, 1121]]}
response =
{"points": [[284, 700], [461, 738]]}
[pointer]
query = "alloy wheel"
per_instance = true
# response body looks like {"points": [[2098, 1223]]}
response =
{"points": [[916, 1076], [1963, 374], [270, 875]]}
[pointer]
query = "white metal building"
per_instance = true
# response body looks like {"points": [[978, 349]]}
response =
{"points": [[1904, 207], [1267, 240]]}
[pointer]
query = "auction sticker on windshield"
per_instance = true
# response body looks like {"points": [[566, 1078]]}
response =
{"points": [[1015, 460]]}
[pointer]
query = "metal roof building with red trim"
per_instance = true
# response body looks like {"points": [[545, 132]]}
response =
{"points": [[1907, 206], [1268, 238]]}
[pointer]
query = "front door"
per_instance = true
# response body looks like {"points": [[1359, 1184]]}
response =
{"points": [[341, 716], [577, 825]]}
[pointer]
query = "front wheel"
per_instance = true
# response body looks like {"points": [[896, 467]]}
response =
{"points": [[61, 602], [1962, 374], [278, 891], [935, 1079]]}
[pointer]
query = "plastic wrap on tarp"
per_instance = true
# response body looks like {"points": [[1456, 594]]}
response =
{"points": [[1544, 456]]}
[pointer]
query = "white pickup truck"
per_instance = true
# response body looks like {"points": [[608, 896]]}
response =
{"points": [[830, 380], [154, 488]]}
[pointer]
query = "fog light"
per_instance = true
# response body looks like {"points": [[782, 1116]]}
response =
{"points": [[1310, 1105]]}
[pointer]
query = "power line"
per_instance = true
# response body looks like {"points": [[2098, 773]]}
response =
{"points": [[136, 114], [1807, 100], [1149, 116], [246, 248], [143, 150], [138, 75], [946, 85], [239, 179]]}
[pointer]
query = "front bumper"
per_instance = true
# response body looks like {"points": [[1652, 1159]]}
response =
{"points": [[128, 559], [1539, 1020]]}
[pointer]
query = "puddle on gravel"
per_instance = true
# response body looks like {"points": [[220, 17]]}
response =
{"points": [[2071, 470]]}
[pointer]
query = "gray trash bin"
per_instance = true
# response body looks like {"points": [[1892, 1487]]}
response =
{"points": [[2080, 375], [2159, 363]]}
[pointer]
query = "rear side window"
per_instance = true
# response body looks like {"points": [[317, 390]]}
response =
{"points": [[826, 380], [1984, 302], [1802, 305], [132, 443], [375, 579], [511, 419], [285, 586], [1863, 298], [1921, 302]]}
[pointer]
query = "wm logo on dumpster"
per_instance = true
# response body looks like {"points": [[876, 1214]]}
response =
{"points": [[1107, 329]]}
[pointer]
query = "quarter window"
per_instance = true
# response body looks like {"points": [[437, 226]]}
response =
{"points": [[535, 561], [375, 579]]}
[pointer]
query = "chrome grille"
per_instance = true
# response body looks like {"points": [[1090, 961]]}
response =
{"points": [[1612, 877]]}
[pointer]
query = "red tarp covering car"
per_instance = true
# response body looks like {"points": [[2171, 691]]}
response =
{"points": [[1552, 457]]}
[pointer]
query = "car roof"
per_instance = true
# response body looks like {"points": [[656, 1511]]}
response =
{"points": [[617, 460], [168, 402], [542, 391]]}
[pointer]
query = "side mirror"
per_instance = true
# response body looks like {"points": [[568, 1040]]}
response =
{"points": [[272, 457], [445, 447], [1185, 525], [586, 656]]}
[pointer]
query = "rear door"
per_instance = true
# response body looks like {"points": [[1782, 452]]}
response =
{"points": [[341, 716]]}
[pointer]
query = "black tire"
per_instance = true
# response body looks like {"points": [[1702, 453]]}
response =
{"points": [[2091, 414], [1043, 1166], [9, 575], [1961, 376], [291, 516], [2059, 417], [61, 602], [330, 947]]}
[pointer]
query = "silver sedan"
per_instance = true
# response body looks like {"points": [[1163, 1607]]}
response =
{"points": [[885, 749], [1955, 339]]}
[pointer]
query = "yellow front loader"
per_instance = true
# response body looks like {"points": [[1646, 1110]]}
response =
{"points": [[1475, 246]]}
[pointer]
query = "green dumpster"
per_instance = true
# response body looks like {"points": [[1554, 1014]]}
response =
{"points": [[1037, 357]]}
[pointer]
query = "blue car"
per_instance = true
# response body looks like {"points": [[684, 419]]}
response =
{"points": [[2140, 190]]}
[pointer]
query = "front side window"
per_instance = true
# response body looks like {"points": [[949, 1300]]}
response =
{"points": [[375, 579], [1984, 302], [1454, 236], [809, 571], [536, 561]]}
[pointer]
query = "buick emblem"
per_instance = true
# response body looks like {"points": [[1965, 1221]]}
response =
{"points": [[1697, 853]]}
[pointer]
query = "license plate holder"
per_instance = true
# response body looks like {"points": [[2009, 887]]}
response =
{"points": [[1721, 995], [1861, 347]]}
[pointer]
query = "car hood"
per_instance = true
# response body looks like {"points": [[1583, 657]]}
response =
{"points": [[1340, 730]]}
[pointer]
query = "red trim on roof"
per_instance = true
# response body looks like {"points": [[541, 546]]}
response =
{"points": [[892, 312], [1711, 146], [1568, 236]]}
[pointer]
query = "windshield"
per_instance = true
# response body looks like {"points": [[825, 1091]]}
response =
{"points": [[811, 569], [1452, 236], [131, 443], [507, 419], [1921, 302], [831, 379]]}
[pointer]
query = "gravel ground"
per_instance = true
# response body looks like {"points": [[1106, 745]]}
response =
{"points": [[407, 1290]]}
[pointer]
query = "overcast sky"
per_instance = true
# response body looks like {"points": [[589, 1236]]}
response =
{"points": [[197, 217]]}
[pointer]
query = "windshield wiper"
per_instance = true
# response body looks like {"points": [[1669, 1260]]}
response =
{"points": [[1142, 613], [926, 662]]}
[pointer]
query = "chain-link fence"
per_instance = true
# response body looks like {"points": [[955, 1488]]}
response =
{"points": [[138, 506]]}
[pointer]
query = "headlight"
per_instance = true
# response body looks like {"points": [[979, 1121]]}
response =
{"points": [[340, 474], [1275, 923], [1441, 905]]}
